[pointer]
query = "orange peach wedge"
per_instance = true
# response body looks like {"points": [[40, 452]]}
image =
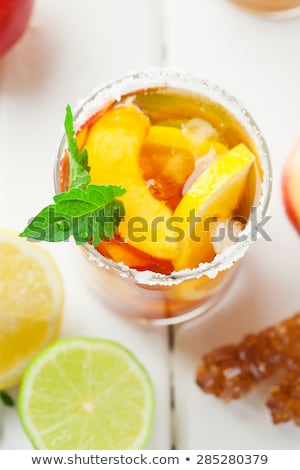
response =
{"points": [[114, 144], [291, 186]]}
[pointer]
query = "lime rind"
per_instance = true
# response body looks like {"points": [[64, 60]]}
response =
{"points": [[53, 351]]}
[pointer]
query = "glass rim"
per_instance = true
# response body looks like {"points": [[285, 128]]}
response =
{"points": [[161, 77]]}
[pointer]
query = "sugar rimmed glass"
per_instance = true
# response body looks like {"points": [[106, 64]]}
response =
{"points": [[147, 296]]}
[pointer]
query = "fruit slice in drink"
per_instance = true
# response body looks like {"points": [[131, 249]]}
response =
{"points": [[215, 194], [114, 144], [167, 172]]}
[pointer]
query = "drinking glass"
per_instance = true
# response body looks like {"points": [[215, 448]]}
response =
{"points": [[148, 296]]}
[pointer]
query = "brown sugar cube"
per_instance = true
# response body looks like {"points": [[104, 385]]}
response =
{"points": [[231, 371], [284, 400]]}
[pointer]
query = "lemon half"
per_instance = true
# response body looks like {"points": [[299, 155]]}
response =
{"points": [[31, 303]]}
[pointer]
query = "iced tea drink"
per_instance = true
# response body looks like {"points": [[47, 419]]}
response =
{"points": [[194, 166]]}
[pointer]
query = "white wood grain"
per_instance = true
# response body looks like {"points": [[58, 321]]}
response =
{"points": [[70, 48], [257, 60]]}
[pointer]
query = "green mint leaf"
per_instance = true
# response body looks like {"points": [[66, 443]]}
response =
{"points": [[83, 229], [88, 212], [98, 227], [77, 203], [70, 134], [79, 171], [107, 192], [84, 159], [6, 399], [119, 212], [49, 225], [74, 203], [109, 226], [86, 215]]}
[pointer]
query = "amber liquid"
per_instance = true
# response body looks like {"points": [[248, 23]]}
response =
{"points": [[172, 107], [166, 170], [267, 6], [168, 107]]}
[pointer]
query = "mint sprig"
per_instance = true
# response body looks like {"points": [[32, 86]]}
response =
{"points": [[6, 399], [88, 212], [79, 176]]}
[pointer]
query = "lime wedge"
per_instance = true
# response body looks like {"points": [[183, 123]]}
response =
{"points": [[84, 394]]}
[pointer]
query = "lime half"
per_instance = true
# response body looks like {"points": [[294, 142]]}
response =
{"points": [[83, 393]]}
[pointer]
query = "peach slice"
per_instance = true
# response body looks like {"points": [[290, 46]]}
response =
{"points": [[291, 187], [168, 136], [123, 252], [114, 143]]}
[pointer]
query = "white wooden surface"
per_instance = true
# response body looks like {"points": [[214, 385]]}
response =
{"points": [[70, 48], [256, 59], [62, 57]]}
